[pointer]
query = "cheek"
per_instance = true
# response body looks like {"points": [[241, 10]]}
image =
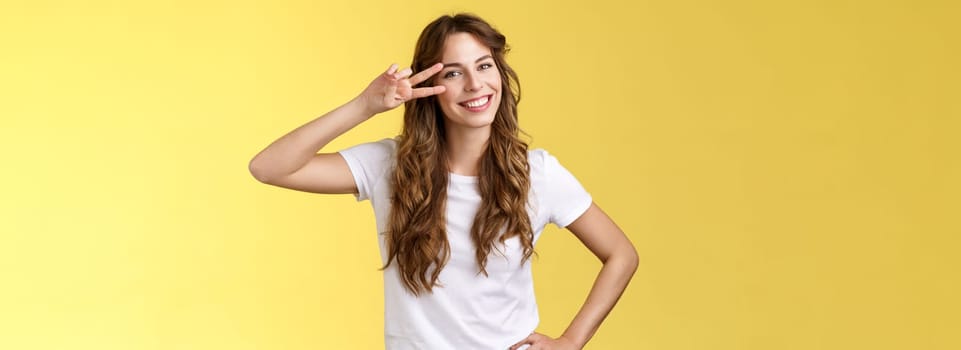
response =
{"points": [[495, 82], [446, 97], [450, 94]]}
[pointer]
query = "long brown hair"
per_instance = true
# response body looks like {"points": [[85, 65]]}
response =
{"points": [[416, 228]]}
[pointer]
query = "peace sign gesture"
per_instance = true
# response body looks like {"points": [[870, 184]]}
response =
{"points": [[392, 88]]}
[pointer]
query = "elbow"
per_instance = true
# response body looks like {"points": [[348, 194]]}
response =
{"points": [[624, 258], [258, 171], [633, 260], [629, 258]]}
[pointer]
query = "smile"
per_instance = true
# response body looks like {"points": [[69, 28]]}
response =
{"points": [[478, 104]]}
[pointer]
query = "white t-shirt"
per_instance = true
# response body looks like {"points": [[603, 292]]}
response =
{"points": [[470, 311]]}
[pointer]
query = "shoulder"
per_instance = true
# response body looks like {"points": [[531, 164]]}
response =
{"points": [[371, 158], [387, 145], [536, 156], [376, 150], [541, 161], [546, 169], [560, 195], [369, 164]]}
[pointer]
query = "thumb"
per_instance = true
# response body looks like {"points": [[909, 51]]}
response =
{"points": [[527, 341]]}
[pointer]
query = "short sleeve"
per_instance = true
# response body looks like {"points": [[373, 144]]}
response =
{"points": [[564, 196], [368, 163]]}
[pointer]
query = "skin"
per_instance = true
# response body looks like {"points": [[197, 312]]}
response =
{"points": [[469, 72], [292, 162]]}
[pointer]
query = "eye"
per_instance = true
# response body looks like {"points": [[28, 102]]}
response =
{"points": [[485, 66], [451, 74]]}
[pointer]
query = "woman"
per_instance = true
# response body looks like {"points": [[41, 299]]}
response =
{"points": [[459, 200]]}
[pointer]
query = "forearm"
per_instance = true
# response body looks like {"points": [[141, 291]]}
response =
{"points": [[607, 289], [293, 150]]}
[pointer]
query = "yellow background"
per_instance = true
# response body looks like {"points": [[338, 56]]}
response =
{"points": [[788, 170]]}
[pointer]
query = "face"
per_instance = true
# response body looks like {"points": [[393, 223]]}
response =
{"points": [[472, 80]]}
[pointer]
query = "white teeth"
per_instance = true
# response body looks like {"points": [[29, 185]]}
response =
{"points": [[477, 103]]}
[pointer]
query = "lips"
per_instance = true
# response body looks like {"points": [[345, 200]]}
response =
{"points": [[477, 104]]}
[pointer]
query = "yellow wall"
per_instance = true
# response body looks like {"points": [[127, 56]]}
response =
{"points": [[788, 170]]}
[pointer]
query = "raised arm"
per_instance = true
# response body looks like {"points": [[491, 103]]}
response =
{"points": [[292, 161]]}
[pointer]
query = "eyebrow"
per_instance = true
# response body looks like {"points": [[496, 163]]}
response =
{"points": [[460, 65]]}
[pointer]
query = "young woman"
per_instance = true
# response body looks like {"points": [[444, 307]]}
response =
{"points": [[459, 199]]}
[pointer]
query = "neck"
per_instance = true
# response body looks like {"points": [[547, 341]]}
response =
{"points": [[465, 148]]}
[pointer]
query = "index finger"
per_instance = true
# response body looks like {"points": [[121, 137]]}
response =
{"points": [[428, 91], [424, 74]]}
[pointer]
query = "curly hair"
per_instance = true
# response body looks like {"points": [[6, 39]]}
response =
{"points": [[416, 228]]}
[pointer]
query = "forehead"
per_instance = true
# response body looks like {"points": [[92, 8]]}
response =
{"points": [[463, 48]]}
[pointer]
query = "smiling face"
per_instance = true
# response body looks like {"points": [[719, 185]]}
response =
{"points": [[473, 83]]}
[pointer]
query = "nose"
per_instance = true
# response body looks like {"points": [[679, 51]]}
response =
{"points": [[473, 82]]}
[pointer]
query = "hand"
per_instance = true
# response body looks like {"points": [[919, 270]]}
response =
{"points": [[539, 341], [393, 88]]}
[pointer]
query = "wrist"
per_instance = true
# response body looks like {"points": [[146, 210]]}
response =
{"points": [[359, 105], [578, 342]]}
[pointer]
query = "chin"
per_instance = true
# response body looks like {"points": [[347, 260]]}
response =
{"points": [[481, 122]]}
